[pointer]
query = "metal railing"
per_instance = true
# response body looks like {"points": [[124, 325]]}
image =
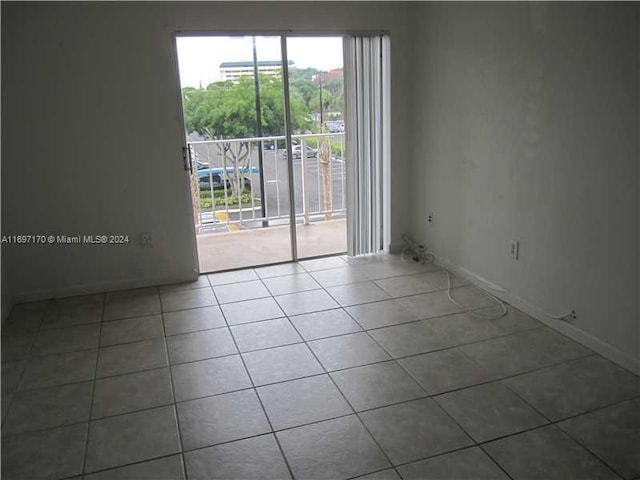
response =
{"points": [[242, 183]]}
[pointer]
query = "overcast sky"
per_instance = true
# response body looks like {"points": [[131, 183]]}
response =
{"points": [[200, 57]]}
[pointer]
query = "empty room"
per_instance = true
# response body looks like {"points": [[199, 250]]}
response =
{"points": [[320, 240]]}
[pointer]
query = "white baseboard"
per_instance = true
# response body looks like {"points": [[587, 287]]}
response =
{"points": [[594, 343], [102, 287]]}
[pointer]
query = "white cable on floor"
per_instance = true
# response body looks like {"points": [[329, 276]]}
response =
{"points": [[474, 313], [423, 256]]}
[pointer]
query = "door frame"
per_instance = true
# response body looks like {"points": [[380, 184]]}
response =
{"points": [[284, 35]]}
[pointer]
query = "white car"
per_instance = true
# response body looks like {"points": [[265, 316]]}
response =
{"points": [[334, 126], [311, 152]]}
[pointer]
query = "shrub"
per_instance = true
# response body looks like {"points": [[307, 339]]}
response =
{"points": [[336, 146], [232, 201], [219, 193]]}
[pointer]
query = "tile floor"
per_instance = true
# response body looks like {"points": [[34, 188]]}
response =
{"points": [[331, 368]]}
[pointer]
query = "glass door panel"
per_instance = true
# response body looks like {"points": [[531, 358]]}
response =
{"points": [[233, 103], [316, 91]]}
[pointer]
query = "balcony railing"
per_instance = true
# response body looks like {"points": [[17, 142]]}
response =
{"points": [[243, 183]]}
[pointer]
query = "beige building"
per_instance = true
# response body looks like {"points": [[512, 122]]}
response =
{"points": [[234, 70]]}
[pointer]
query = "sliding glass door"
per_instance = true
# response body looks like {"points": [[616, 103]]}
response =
{"points": [[276, 155]]}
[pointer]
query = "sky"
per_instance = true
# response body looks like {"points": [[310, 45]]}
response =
{"points": [[199, 58]]}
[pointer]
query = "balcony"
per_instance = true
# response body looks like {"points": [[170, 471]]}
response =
{"points": [[241, 199]]}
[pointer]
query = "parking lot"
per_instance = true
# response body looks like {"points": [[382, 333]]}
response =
{"points": [[276, 193]]}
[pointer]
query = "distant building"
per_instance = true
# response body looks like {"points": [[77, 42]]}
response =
{"points": [[234, 70], [336, 73]]}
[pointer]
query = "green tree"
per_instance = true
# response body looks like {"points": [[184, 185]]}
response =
{"points": [[301, 82], [335, 86], [306, 82], [327, 100], [228, 109]]}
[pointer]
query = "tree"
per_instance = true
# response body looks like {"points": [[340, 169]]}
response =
{"points": [[228, 110], [306, 83], [327, 100], [301, 82], [335, 86]]}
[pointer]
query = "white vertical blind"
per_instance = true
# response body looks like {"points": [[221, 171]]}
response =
{"points": [[367, 132]]}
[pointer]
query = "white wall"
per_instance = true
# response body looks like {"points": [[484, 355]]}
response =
{"points": [[526, 128], [92, 131]]}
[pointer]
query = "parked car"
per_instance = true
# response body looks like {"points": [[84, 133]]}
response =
{"points": [[334, 126], [211, 178], [311, 152], [281, 144]]}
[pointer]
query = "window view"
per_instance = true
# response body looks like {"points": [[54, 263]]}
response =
{"points": [[235, 120]]}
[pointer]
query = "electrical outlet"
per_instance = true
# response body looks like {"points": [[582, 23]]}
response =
{"points": [[430, 217], [573, 315], [514, 249], [146, 239]]}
